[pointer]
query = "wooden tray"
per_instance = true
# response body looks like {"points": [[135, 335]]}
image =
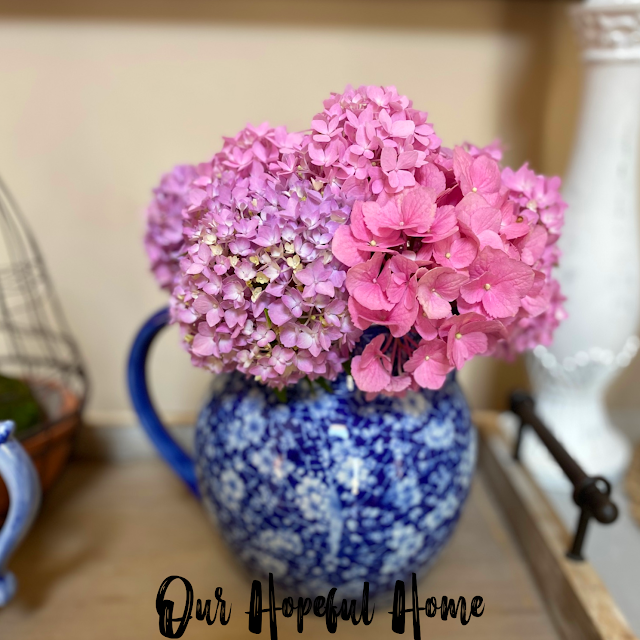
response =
{"points": [[110, 534], [577, 600]]}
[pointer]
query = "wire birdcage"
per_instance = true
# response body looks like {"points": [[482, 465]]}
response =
{"points": [[37, 350]]}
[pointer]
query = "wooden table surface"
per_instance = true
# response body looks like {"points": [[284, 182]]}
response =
{"points": [[108, 535]]}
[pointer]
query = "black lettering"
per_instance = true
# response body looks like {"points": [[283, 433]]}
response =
{"points": [[304, 607], [475, 603], [201, 615], [287, 607], [448, 607], [431, 607], [318, 606], [349, 611], [397, 619], [255, 608], [415, 607], [331, 614], [366, 620], [223, 605], [165, 609], [273, 625]]}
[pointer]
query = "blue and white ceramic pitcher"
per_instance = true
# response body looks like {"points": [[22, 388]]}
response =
{"points": [[328, 489], [23, 486]]}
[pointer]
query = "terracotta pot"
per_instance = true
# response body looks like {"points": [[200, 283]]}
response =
{"points": [[50, 446]]}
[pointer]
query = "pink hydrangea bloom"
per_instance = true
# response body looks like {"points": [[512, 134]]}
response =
{"points": [[455, 264], [163, 237], [370, 141], [261, 291]]}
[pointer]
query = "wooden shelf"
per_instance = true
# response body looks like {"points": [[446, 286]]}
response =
{"points": [[109, 534]]}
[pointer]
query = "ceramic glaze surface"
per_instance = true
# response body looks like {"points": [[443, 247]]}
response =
{"points": [[23, 485], [331, 489]]}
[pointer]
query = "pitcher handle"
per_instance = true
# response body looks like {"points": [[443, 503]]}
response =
{"points": [[23, 487], [180, 461]]}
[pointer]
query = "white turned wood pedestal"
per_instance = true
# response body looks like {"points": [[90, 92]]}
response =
{"points": [[600, 266]]}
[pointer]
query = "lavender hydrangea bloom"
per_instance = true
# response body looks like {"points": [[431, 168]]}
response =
{"points": [[260, 290], [163, 237]]}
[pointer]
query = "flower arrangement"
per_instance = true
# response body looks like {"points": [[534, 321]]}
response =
{"points": [[284, 248]]}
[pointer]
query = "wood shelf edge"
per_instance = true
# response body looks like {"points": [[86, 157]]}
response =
{"points": [[578, 601]]}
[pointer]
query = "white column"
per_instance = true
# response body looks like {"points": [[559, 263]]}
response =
{"points": [[600, 267]]}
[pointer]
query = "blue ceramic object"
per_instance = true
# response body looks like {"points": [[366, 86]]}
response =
{"points": [[23, 485], [328, 489]]}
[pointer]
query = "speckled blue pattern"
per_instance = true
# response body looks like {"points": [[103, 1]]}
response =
{"points": [[330, 489]]}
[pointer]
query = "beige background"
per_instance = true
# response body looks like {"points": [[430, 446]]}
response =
{"points": [[97, 99]]}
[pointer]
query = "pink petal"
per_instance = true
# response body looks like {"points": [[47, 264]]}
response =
{"points": [[429, 377], [382, 221], [433, 304], [501, 301], [407, 159], [459, 350], [406, 178], [437, 288], [306, 276], [447, 282], [203, 346], [425, 327], [372, 378], [203, 304], [485, 174], [279, 313], [474, 290], [372, 297], [325, 288], [418, 209], [532, 245], [345, 248], [356, 221], [445, 224], [461, 165], [372, 350], [397, 385], [320, 126], [430, 176], [475, 214], [364, 282], [462, 252], [235, 317], [490, 239], [288, 335], [429, 364], [388, 159], [403, 315], [516, 275], [305, 340], [402, 128]]}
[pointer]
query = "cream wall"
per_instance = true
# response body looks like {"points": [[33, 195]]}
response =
{"points": [[97, 101]]}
